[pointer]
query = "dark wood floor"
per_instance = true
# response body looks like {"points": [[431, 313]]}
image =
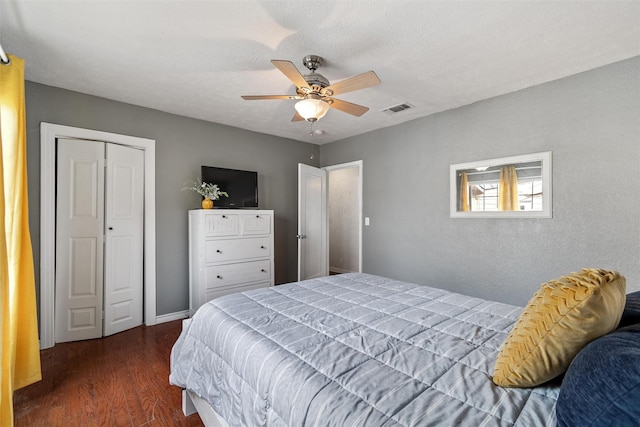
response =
{"points": [[121, 380]]}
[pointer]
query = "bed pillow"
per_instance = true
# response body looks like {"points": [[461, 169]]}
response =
{"points": [[631, 313], [602, 385], [562, 317]]}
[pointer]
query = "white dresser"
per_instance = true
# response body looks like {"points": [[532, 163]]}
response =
{"points": [[230, 250]]}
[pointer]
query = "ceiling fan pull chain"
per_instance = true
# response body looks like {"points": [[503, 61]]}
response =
{"points": [[311, 133]]}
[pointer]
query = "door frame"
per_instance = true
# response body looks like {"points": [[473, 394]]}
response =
{"points": [[355, 164], [48, 134]]}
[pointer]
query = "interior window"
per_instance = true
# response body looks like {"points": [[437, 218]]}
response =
{"points": [[483, 195]]}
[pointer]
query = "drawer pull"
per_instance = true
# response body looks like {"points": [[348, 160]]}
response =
{"points": [[219, 276], [262, 247], [257, 216], [224, 216], [263, 270], [218, 251]]}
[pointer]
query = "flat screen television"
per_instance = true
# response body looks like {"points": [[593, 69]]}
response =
{"points": [[242, 186]]}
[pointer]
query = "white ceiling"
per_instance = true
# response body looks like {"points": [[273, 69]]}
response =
{"points": [[195, 58]]}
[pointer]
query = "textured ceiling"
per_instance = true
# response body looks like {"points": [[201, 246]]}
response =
{"points": [[195, 58]]}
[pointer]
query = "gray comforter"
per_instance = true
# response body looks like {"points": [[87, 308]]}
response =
{"points": [[354, 349]]}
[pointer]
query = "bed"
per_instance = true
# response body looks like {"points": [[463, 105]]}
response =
{"points": [[353, 349]]}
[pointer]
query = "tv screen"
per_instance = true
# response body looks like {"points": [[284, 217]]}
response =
{"points": [[242, 186]]}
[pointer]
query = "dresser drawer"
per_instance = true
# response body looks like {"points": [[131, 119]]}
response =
{"points": [[253, 224], [237, 249], [221, 224], [234, 274]]}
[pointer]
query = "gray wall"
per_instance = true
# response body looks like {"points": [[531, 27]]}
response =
{"points": [[182, 145], [591, 123]]}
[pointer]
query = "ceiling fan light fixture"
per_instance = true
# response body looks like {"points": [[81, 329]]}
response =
{"points": [[312, 109]]}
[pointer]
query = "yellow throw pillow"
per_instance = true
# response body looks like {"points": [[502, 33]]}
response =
{"points": [[563, 316]]}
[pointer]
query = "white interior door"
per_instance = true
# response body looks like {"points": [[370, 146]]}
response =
{"points": [[313, 252], [99, 239], [123, 258], [79, 240]]}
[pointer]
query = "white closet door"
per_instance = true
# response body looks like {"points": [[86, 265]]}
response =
{"points": [[313, 249], [124, 239], [79, 240]]}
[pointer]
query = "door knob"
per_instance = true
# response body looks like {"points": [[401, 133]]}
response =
{"points": [[301, 236]]}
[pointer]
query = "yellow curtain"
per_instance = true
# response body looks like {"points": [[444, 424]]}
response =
{"points": [[20, 354], [464, 192], [508, 190]]}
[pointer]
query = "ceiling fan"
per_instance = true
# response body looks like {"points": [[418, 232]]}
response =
{"points": [[314, 92]]}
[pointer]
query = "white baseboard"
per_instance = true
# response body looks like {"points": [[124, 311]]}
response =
{"points": [[170, 317]]}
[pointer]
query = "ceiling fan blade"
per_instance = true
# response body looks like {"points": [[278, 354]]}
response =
{"points": [[292, 73], [360, 81], [297, 118], [347, 107], [256, 97]]}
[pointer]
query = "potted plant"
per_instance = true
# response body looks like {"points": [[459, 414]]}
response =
{"points": [[209, 191]]}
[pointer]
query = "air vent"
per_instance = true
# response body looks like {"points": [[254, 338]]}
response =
{"points": [[397, 108]]}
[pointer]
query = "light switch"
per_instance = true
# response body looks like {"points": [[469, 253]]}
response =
{"points": [[366, 220]]}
